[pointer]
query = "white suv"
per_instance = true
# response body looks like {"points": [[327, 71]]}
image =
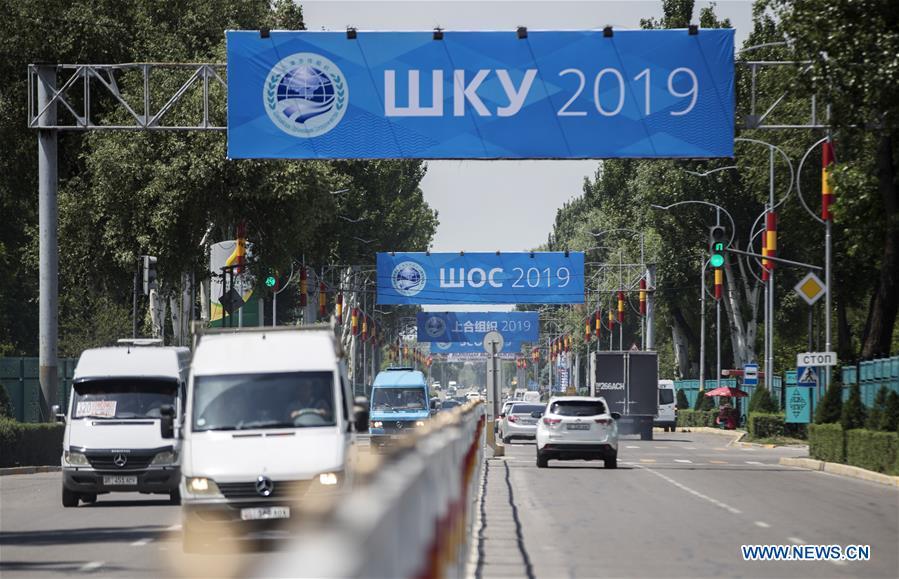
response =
{"points": [[577, 427]]}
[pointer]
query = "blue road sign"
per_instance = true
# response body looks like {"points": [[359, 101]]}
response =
{"points": [[807, 376], [750, 375], [481, 278], [799, 405], [472, 326], [476, 347], [481, 95]]}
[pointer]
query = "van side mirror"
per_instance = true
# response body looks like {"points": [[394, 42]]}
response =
{"points": [[537, 414], [167, 422], [615, 415], [55, 413]]}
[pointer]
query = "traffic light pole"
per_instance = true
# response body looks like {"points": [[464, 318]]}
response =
{"points": [[702, 326], [717, 315], [134, 304]]}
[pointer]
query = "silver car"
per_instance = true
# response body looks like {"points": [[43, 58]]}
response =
{"points": [[519, 422]]}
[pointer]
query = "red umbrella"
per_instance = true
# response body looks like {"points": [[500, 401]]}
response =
{"points": [[727, 391]]}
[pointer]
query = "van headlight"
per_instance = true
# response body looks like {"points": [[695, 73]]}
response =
{"points": [[202, 486], [329, 478], [419, 423], [76, 458], [165, 457], [376, 424]]}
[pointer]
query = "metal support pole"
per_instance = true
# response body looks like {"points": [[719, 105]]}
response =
{"points": [[48, 225], [650, 307], [702, 327], [769, 376], [718, 342], [828, 256], [274, 309], [134, 303]]}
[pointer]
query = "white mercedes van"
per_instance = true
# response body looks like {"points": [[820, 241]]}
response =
{"points": [[270, 421], [112, 440], [667, 417]]}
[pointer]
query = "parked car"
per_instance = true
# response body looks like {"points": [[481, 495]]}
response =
{"points": [[667, 417], [519, 422], [577, 428], [449, 404], [112, 440], [270, 422]]}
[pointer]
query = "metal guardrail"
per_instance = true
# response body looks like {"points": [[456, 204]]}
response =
{"points": [[410, 513], [20, 377]]}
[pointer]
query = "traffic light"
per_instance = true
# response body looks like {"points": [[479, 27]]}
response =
{"points": [[716, 245], [148, 263]]}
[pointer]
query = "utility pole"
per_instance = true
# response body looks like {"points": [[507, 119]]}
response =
{"points": [[702, 324], [48, 226], [717, 315], [650, 306]]}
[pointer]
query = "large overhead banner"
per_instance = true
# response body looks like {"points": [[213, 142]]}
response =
{"points": [[481, 278], [471, 348], [473, 326], [481, 95]]}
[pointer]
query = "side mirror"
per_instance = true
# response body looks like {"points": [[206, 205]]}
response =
{"points": [[615, 415], [537, 414], [57, 416], [167, 422], [360, 413]]}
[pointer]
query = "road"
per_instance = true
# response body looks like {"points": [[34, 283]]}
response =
{"points": [[680, 506]]}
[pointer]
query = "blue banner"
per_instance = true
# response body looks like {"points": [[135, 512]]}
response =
{"points": [[472, 326], [481, 95], [481, 278], [471, 348]]}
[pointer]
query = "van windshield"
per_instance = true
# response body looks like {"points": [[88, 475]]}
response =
{"points": [[399, 399], [258, 401], [122, 398]]}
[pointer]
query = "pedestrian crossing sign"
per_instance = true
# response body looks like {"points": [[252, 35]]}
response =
{"points": [[807, 376]]}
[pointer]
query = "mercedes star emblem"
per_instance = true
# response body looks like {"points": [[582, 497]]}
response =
{"points": [[264, 486], [120, 460]]}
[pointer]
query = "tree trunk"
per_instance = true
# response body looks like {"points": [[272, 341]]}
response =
{"points": [[683, 337], [157, 314], [885, 301], [204, 300], [844, 332]]}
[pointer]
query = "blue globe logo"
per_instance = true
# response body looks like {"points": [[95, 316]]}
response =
{"points": [[408, 278], [435, 327], [305, 95]]}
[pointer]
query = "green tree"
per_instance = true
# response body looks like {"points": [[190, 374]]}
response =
{"points": [[831, 406], [762, 401], [876, 415], [6, 409], [890, 417], [853, 415]]}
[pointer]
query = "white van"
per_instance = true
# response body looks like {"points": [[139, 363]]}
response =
{"points": [[667, 417], [112, 440], [270, 419]]}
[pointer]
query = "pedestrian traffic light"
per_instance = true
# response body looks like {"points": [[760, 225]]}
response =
{"points": [[148, 263], [716, 245]]}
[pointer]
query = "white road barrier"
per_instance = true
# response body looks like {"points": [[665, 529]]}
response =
{"points": [[410, 513]]}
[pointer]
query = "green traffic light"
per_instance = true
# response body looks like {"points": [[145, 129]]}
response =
{"points": [[717, 260], [270, 281]]}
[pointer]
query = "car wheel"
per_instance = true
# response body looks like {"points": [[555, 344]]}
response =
{"points": [[89, 499], [542, 460], [507, 440], [175, 497], [611, 461], [646, 435], [69, 498]]}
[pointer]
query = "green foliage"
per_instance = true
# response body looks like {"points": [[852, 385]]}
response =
{"points": [[826, 442], [6, 409], [876, 413], [694, 418], [682, 403], [831, 406], [873, 450], [762, 401], [26, 444], [766, 425], [704, 402], [890, 417], [853, 415]]}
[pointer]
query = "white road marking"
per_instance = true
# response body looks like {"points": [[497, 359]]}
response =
{"points": [[661, 447], [796, 540], [142, 542], [693, 492], [93, 565], [755, 462], [762, 524], [631, 447], [174, 528], [683, 460], [689, 448]]}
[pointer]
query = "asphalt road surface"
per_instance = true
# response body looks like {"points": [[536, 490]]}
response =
{"points": [[678, 506], [681, 506]]}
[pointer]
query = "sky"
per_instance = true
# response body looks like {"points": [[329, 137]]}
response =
{"points": [[500, 205]]}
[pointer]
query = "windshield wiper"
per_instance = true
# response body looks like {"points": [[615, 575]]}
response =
{"points": [[264, 424]]}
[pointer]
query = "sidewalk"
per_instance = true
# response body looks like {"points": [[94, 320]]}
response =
{"points": [[498, 550], [841, 470], [28, 469]]}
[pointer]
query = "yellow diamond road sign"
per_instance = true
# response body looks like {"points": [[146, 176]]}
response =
{"points": [[810, 288]]}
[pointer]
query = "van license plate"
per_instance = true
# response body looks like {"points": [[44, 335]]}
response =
{"points": [[578, 427], [264, 513], [119, 481]]}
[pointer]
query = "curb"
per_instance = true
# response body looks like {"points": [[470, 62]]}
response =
{"points": [[28, 470], [735, 435], [841, 470]]}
